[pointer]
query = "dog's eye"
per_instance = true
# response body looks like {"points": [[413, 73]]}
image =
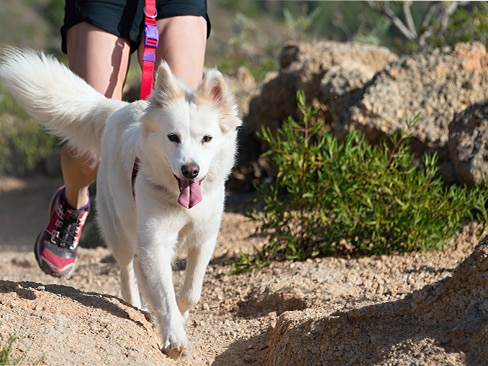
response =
{"points": [[206, 138], [174, 138]]}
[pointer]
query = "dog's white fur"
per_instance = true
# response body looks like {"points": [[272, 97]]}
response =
{"points": [[176, 126]]}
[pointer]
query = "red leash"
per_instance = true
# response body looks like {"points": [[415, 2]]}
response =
{"points": [[151, 39]]}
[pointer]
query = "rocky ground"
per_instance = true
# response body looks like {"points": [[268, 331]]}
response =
{"points": [[416, 309]]}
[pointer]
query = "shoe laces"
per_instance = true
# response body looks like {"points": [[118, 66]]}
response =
{"points": [[67, 234]]}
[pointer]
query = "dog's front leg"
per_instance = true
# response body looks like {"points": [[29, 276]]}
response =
{"points": [[156, 286], [199, 255], [128, 282]]}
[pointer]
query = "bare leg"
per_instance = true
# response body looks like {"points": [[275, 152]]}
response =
{"points": [[182, 44], [102, 59]]}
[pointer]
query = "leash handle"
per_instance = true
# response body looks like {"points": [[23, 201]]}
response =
{"points": [[151, 40]]}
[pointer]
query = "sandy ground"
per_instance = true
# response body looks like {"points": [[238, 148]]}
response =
{"points": [[288, 314]]}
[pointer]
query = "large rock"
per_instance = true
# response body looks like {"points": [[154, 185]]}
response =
{"points": [[57, 324], [243, 85], [370, 88], [329, 73], [436, 85], [302, 67], [451, 315], [468, 144]]}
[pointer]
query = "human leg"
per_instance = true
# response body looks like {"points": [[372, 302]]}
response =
{"points": [[182, 44], [102, 59], [99, 57]]}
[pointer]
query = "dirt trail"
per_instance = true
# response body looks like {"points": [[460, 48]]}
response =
{"points": [[291, 313]]}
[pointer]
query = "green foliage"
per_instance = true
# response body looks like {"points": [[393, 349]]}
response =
{"points": [[23, 141], [6, 352], [353, 198], [257, 68], [356, 21], [91, 236], [302, 23], [248, 47], [251, 8], [52, 11], [467, 24]]}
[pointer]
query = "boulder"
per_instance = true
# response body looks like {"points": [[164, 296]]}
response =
{"points": [[435, 85], [302, 67], [329, 73], [60, 325], [468, 144], [450, 314]]}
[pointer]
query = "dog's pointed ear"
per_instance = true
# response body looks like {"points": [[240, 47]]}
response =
{"points": [[166, 86], [214, 89]]}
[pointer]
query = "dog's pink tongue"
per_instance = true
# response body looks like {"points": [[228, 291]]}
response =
{"points": [[190, 193]]}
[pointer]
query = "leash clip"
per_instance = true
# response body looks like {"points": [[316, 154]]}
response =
{"points": [[151, 35]]}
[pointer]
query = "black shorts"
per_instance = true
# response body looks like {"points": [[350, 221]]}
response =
{"points": [[125, 18]]}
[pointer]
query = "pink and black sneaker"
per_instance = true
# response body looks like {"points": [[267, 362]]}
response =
{"points": [[55, 247]]}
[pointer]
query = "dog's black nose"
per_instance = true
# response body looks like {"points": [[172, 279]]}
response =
{"points": [[190, 170]]}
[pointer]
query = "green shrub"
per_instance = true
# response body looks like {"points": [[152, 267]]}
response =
{"points": [[6, 352], [23, 141], [466, 24], [91, 236], [353, 198]]}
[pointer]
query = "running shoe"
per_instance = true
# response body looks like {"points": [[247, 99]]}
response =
{"points": [[56, 246]]}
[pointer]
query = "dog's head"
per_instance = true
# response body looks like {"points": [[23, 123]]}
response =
{"points": [[192, 132]]}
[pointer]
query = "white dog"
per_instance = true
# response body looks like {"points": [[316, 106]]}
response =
{"points": [[184, 143]]}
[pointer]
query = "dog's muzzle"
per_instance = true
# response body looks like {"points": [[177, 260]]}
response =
{"points": [[190, 193]]}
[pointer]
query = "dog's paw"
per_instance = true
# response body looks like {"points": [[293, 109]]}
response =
{"points": [[178, 352], [148, 316], [175, 349], [175, 342]]}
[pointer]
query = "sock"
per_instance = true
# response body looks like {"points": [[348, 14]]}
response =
{"points": [[65, 203]]}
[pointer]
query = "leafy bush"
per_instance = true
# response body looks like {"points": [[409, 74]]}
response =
{"points": [[467, 24], [353, 198], [23, 141], [6, 352]]}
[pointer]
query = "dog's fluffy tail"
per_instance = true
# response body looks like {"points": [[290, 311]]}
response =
{"points": [[63, 102]]}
